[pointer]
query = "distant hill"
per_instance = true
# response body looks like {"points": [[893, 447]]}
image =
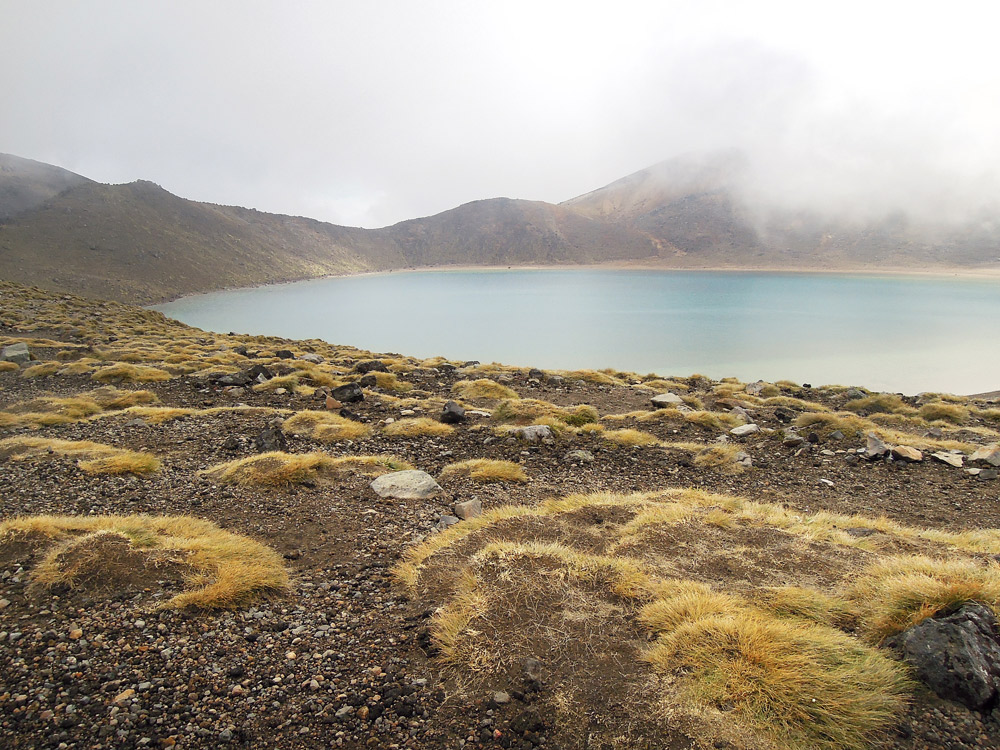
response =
{"points": [[139, 243]]}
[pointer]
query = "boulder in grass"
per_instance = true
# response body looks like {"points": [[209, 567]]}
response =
{"points": [[666, 400], [348, 394], [957, 656], [988, 454], [411, 484], [906, 453], [17, 353], [452, 413]]}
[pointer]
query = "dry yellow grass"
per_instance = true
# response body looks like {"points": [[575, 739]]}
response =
{"points": [[94, 458], [130, 373], [387, 381], [805, 685], [880, 403], [417, 426], [897, 592], [483, 389], [274, 469], [8, 366], [939, 410], [324, 426], [529, 409], [41, 370], [630, 437], [486, 470], [721, 457], [371, 466], [228, 570]]}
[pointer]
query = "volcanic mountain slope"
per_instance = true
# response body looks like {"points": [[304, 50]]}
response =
{"points": [[642, 562], [139, 243]]}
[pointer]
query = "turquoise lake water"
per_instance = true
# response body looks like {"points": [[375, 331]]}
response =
{"points": [[906, 334]]}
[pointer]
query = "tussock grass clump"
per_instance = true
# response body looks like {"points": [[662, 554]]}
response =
{"points": [[939, 410], [807, 685], [50, 410], [288, 382], [387, 381], [274, 469], [851, 425], [810, 604], [41, 370], [484, 389], [596, 377], [417, 426], [524, 410], [371, 466], [630, 437], [895, 593], [9, 366], [159, 414], [223, 570], [711, 420], [486, 470], [722, 457], [324, 426], [880, 403], [94, 458], [130, 373], [660, 384], [795, 403]]}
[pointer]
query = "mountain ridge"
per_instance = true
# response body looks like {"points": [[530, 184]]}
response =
{"points": [[137, 242]]}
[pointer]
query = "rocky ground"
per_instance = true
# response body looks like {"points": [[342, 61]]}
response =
{"points": [[344, 659]]}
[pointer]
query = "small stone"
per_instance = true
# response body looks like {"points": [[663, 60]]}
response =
{"points": [[124, 695], [311, 357], [875, 447], [952, 459], [755, 389], [826, 482], [332, 403], [988, 454], [666, 400], [4, 603], [906, 453], [469, 509], [744, 429], [445, 521], [792, 439], [140, 624], [344, 711], [500, 697], [579, 456]]}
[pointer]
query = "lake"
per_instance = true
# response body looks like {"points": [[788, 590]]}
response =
{"points": [[896, 333]]}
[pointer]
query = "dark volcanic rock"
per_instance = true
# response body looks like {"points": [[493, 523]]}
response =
{"points": [[957, 656], [270, 439], [348, 394], [453, 413], [371, 365]]}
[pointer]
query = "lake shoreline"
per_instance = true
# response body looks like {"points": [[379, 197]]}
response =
{"points": [[923, 272]]}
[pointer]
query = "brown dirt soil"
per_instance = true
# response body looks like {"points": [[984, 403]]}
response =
{"points": [[346, 660]]}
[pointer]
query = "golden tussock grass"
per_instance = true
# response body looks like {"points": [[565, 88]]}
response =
{"points": [[851, 425], [660, 384], [805, 685], [721, 457], [795, 403], [417, 426], [130, 373], [711, 420], [880, 403], [486, 470], [94, 458], [528, 409], [8, 366], [809, 604], [50, 410], [897, 592], [387, 381], [274, 469], [371, 466], [288, 382], [954, 413], [596, 377], [630, 437], [324, 426], [228, 570], [484, 389], [41, 370]]}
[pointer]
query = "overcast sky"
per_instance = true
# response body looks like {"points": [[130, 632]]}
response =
{"points": [[367, 113]]}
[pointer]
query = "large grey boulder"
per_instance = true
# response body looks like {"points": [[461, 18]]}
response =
{"points": [[348, 394], [407, 485], [957, 656], [876, 447], [16, 353]]}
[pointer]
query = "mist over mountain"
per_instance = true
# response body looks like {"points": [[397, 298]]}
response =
{"points": [[137, 242]]}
